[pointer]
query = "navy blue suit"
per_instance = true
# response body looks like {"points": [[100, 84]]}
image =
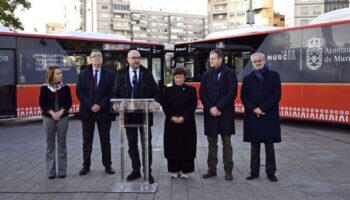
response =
{"points": [[88, 96], [146, 88]]}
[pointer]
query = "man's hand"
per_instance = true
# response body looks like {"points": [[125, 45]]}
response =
{"points": [[95, 108], [154, 106], [215, 112], [258, 112]]}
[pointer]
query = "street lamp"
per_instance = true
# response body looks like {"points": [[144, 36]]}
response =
{"points": [[250, 14]]}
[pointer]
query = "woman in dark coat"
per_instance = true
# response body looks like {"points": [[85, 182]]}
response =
{"points": [[55, 101], [260, 94], [180, 135]]}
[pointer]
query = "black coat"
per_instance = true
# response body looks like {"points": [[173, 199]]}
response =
{"points": [[266, 96], [180, 140], [224, 100], [147, 86], [103, 94], [47, 100]]}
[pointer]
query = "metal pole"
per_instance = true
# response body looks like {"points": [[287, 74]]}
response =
{"points": [[84, 15], [145, 132], [250, 14]]}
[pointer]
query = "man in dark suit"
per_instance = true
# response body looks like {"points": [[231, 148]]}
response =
{"points": [[94, 90], [134, 82], [260, 94], [218, 91]]}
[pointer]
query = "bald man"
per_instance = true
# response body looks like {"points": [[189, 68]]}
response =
{"points": [[136, 82]]}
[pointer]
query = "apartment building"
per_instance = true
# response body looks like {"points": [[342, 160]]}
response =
{"points": [[166, 27], [307, 10], [231, 14], [116, 17]]}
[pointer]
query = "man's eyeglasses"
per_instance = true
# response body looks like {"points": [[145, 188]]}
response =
{"points": [[96, 56], [134, 58]]}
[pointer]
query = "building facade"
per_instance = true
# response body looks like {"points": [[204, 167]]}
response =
{"points": [[231, 14], [307, 10], [166, 27], [54, 27], [116, 17]]}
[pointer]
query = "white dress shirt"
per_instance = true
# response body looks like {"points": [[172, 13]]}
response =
{"points": [[131, 74]]}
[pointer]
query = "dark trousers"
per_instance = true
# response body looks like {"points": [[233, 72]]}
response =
{"points": [[104, 128], [185, 166], [132, 135], [226, 150], [255, 159]]}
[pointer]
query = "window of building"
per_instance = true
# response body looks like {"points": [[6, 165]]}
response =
{"points": [[240, 13], [304, 22], [317, 10], [304, 10], [104, 7], [219, 17], [120, 7]]}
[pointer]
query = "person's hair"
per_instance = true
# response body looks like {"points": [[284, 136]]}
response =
{"points": [[95, 50], [218, 52], [257, 54], [179, 71], [49, 74]]}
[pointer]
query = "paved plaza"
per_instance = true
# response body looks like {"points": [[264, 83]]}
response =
{"points": [[313, 162]]}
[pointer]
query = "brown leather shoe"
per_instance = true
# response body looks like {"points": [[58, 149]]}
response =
{"points": [[209, 174], [228, 175]]}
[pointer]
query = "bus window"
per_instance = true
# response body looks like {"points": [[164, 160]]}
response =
{"points": [[226, 59], [188, 64], [240, 60], [144, 61], [75, 60], [156, 69], [180, 61]]}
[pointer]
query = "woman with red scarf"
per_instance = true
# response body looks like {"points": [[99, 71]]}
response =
{"points": [[55, 100]]}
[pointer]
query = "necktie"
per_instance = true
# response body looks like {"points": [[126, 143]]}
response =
{"points": [[134, 78], [95, 79], [134, 85]]}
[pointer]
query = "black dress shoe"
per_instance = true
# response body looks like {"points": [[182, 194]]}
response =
{"points": [[228, 175], [251, 177], [133, 175], [150, 179], [61, 176], [209, 174], [109, 170], [272, 178], [51, 177], [84, 171]]}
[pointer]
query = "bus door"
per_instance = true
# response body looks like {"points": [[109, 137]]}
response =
{"points": [[7, 84], [238, 60]]}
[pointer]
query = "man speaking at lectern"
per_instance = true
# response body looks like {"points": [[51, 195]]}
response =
{"points": [[136, 82]]}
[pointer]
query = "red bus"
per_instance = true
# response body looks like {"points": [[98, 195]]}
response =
{"points": [[313, 62], [24, 58]]}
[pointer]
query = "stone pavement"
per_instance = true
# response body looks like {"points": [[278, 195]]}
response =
{"points": [[313, 162]]}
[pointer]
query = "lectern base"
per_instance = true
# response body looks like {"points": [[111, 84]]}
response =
{"points": [[134, 187]]}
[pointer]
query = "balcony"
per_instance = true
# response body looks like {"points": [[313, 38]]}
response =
{"points": [[119, 27]]}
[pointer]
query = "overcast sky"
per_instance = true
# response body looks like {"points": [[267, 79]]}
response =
{"points": [[49, 11]]}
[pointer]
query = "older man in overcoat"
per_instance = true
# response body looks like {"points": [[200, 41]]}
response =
{"points": [[260, 94], [218, 91]]}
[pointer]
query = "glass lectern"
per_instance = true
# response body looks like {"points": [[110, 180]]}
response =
{"points": [[125, 108]]}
